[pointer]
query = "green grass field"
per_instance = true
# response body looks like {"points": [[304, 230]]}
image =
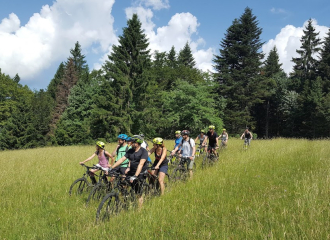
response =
{"points": [[277, 189]]}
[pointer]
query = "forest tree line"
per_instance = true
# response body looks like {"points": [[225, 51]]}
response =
{"points": [[157, 93]]}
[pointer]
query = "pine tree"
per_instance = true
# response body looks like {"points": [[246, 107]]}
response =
{"points": [[324, 65], [126, 71], [238, 69], [78, 59], [306, 64], [52, 87], [185, 57], [171, 58], [272, 63]]}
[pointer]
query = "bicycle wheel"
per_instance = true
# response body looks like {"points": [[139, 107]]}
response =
{"points": [[108, 207], [197, 153], [98, 191], [180, 174], [79, 187], [205, 162]]}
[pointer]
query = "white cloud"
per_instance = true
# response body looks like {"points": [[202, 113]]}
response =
{"points": [[278, 11], [288, 41], [181, 29], [155, 4], [48, 35]]}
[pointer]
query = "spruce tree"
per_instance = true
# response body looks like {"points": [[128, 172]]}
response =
{"points": [[238, 68], [272, 64], [126, 71], [324, 65], [52, 87], [185, 57], [78, 59], [171, 58], [305, 65]]}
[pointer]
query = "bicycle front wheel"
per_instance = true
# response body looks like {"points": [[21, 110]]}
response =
{"points": [[108, 207], [180, 174], [79, 187], [98, 192]]}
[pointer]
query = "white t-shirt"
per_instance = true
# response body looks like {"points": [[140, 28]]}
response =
{"points": [[144, 145], [187, 150]]}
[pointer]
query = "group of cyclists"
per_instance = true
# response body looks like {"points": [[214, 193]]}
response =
{"points": [[131, 158]]}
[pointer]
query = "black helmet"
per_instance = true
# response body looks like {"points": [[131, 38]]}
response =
{"points": [[185, 132]]}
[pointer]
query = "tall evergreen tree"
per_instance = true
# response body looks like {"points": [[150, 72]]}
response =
{"points": [[126, 72], [185, 57], [305, 65], [272, 63], [324, 65], [172, 59], [238, 68], [52, 87], [78, 59]]}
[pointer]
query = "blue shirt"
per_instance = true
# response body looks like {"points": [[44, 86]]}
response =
{"points": [[177, 142]]}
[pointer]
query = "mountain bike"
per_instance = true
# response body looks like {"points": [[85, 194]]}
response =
{"points": [[246, 144], [199, 151], [122, 195], [181, 172], [154, 185], [101, 188], [172, 160], [209, 159], [83, 184]]}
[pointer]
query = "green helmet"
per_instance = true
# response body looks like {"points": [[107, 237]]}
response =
{"points": [[178, 132], [137, 139], [202, 131], [211, 127], [158, 141], [100, 144]]}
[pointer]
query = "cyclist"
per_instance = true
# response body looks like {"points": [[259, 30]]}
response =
{"points": [[188, 150], [224, 137], [144, 145], [137, 166], [161, 162], [247, 136], [213, 140], [103, 159], [201, 137], [120, 151], [178, 139]]}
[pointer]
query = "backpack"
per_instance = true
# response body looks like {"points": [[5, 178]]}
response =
{"points": [[188, 142]]}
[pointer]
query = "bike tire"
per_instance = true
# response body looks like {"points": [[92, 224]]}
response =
{"points": [[108, 207], [79, 186], [98, 192], [180, 174]]}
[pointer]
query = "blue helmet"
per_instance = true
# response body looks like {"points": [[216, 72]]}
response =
{"points": [[128, 139], [122, 136]]}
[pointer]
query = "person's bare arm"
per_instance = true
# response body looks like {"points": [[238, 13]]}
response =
{"points": [[88, 159], [120, 161]]}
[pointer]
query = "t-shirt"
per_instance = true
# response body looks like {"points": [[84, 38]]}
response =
{"points": [[177, 142], [134, 158], [223, 137], [120, 153], [187, 150], [212, 138], [144, 145], [201, 139]]}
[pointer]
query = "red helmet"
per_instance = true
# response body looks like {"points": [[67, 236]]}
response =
{"points": [[185, 132]]}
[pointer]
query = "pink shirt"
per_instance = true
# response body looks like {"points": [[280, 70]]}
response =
{"points": [[103, 161]]}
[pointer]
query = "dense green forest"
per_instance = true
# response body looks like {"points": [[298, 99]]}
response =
{"points": [[137, 91]]}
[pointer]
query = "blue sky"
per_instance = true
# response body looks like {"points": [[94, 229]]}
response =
{"points": [[35, 35]]}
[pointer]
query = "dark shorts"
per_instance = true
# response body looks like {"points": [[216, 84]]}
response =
{"points": [[162, 168], [209, 148], [137, 184], [120, 170]]}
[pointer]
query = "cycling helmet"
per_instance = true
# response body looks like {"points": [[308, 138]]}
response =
{"points": [[122, 136], [211, 127], [158, 141], [202, 131], [185, 132], [137, 139], [128, 139], [141, 135], [178, 132], [100, 144], [223, 129]]}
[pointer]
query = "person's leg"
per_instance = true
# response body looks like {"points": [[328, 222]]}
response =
{"points": [[161, 177]]}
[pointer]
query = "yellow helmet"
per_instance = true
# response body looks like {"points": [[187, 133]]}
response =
{"points": [[178, 132], [223, 129], [158, 141], [100, 144], [211, 127]]}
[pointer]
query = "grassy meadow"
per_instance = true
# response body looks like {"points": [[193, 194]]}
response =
{"points": [[277, 189]]}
